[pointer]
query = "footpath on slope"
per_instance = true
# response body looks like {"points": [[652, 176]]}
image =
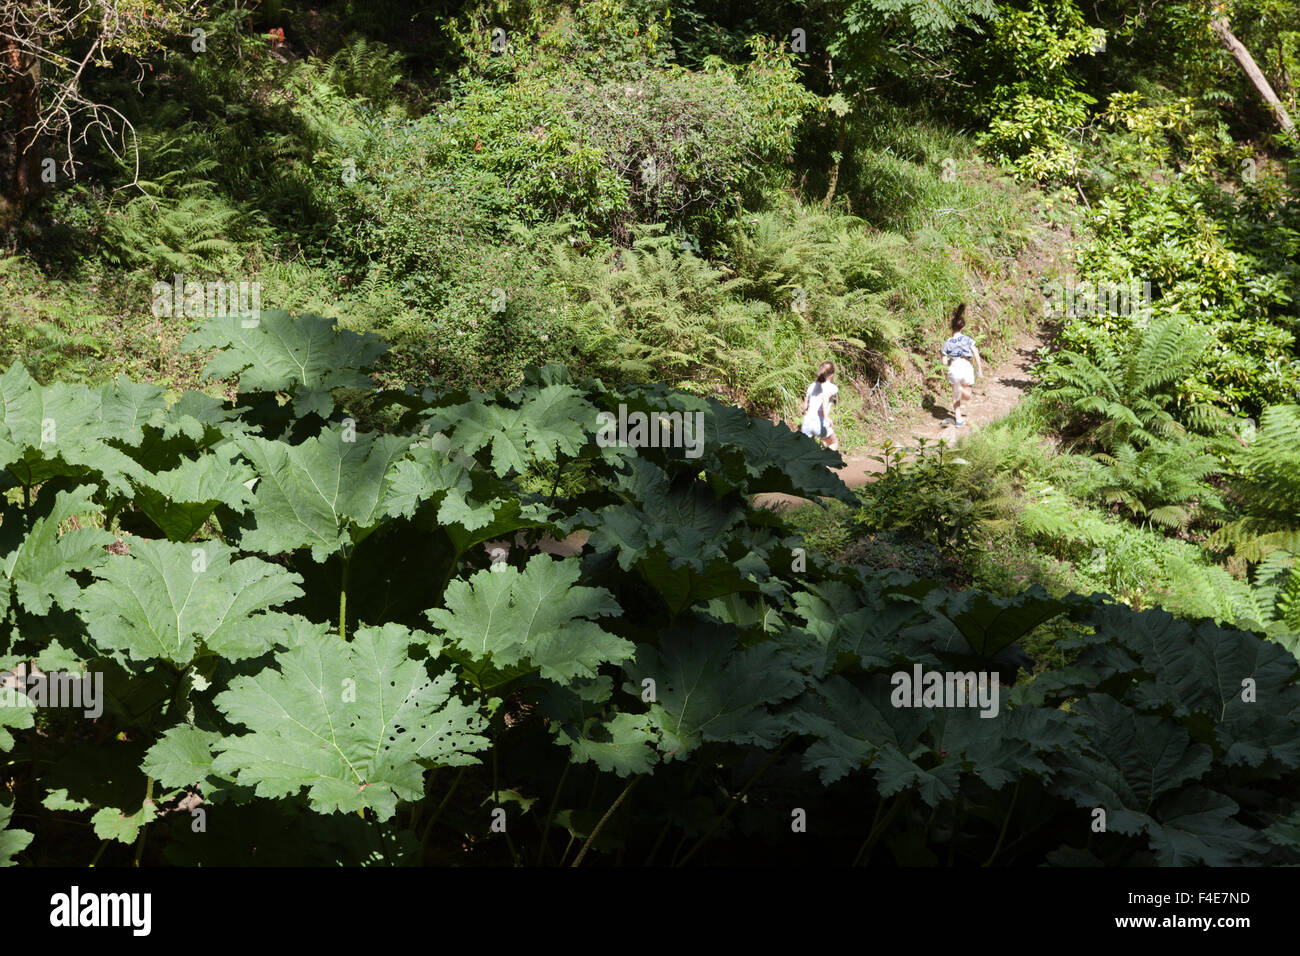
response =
{"points": [[995, 395]]}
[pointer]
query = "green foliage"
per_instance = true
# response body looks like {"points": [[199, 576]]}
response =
{"points": [[1180, 206], [1034, 103], [1163, 482], [168, 218], [661, 313], [1141, 567], [1129, 393], [859, 28], [829, 268], [933, 496], [687, 638], [12, 841], [1269, 489], [663, 145], [364, 719], [365, 69]]}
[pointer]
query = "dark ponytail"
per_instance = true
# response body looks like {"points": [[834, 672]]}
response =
{"points": [[959, 318]]}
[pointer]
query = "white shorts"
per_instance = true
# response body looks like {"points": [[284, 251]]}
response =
{"points": [[961, 372], [812, 426]]}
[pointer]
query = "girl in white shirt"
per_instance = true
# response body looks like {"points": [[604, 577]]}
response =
{"points": [[816, 407]]}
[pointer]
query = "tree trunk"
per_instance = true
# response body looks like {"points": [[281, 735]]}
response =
{"points": [[22, 80], [1247, 62]]}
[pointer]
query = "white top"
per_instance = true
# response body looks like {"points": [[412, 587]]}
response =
{"points": [[820, 396], [820, 393]]}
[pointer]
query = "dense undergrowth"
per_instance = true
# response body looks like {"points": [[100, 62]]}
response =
{"points": [[299, 671], [697, 196]]}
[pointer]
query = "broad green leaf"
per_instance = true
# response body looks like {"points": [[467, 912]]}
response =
{"points": [[1240, 686], [62, 430], [972, 622], [12, 842], [309, 356], [546, 422], [182, 757], [60, 800], [757, 456], [578, 715], [1196, 828], [841, 627], [684, 542], [125, 407], [111, 823], [326, 493], [506, 616], [624, 744], [552, 418], [1129, 761], [16, 711], [181, 601], [179, 501], [473, 506], [707, 688], [853, 725], [354, 723], [39, 566]]}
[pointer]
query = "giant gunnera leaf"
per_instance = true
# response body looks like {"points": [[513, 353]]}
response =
{"points": [[180, 601], [39, 565], [309, 356], [180, 500], [353, 723], [526, 424], [327, 493], [505, 616], [66, 430], [11, 841], [708, 688]]}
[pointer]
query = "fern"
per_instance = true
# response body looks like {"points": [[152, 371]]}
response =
{"points": [[829, 267], [1131, 390], [1288, 601], [173, 219], [366, 68], [1163, 482], [664, 313], [1269, 488]]}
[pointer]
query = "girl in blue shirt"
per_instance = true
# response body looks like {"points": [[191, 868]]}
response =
{"points": [[957, 354]]}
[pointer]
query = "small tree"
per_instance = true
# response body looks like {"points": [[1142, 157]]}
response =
{"points": [[46, 51]]}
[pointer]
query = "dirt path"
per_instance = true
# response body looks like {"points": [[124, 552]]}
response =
{"points": [[995, 395]]}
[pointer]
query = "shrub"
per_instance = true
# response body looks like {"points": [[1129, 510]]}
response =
{"points": [[932, 497]]}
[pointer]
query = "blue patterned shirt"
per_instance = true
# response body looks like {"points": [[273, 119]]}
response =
{"points": [[959, 346]]}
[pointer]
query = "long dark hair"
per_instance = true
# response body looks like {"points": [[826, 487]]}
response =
{"points": [[959, 318], [825, 369]]}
